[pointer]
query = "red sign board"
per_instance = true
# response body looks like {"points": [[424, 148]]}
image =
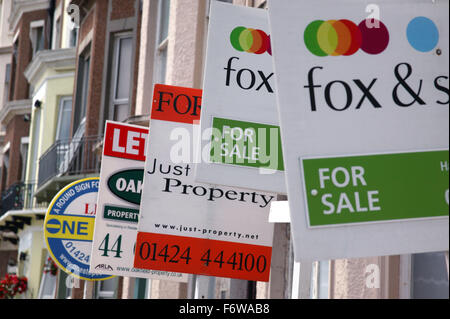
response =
{"points": [[176, 104], [202, 256], [125, 141]]}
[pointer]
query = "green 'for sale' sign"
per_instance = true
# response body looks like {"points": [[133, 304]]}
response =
{"points": [[246, 144], [370, 188]]}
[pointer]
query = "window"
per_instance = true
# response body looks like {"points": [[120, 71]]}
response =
{"points": [[47, 289], [429, 276], [140, 288], [7, 83], [56, 43], [35, 142], [39, 39], [82, 92], [24, 142], [65, 283], [67, 152], [106, 289], [122, 58], [320, 280], [37, 36], [5, 169], [13, 71], [64, 117], [63, 129], [73, 38], [162, 41], [85, 87]]}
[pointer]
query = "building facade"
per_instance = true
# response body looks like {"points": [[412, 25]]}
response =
{"points": [[8, 242]]}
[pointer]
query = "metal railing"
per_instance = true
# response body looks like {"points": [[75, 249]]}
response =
{"points": [[18, 196], [70, 157]]}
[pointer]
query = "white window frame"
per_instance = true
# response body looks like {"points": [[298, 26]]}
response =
{"points": [[107, 294], [114, 77], [44, 280], [24, 149], [36, 132], [82, 92], [161, 48], [33, 26], [320, 280], [62, 100], [72, 32], [6, 147], [56, 41], [85, 85], [16, 36]]}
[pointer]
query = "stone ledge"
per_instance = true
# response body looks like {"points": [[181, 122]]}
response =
{"points": [[13, 108]]}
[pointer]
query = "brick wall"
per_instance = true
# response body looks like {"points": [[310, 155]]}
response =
{"points": [[136, 66], [96, 21], [97, 63], [122, 9], [24, 53], [5, 256], [15, 130]]}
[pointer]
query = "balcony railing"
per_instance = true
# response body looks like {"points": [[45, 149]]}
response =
{"points": [[18, 196], [70, 157]]}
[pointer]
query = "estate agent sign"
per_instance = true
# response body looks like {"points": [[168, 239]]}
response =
{"points": [[240, 103], [363, 99], [119, 196], [191, 227]]}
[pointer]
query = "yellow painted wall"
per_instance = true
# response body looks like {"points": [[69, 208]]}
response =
{"points": [[56, 89], [50, 91]]}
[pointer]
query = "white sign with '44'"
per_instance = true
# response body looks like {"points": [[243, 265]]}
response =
{"points": [[118, 202]]}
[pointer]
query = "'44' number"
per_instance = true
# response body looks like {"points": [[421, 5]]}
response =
{"points": [[104, 246]]}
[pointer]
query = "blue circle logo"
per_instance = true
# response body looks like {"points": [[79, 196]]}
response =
{"points": [[422, 33]]}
